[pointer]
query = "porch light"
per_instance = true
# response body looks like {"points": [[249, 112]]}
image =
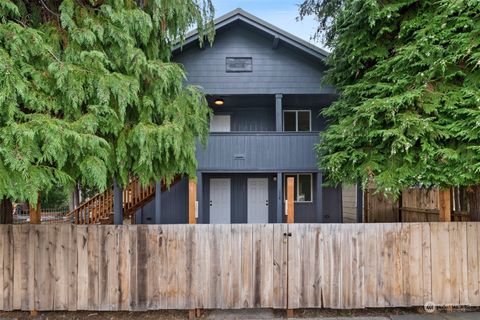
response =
{"points": [[218, 102]]}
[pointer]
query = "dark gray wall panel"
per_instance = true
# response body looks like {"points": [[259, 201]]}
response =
{"points": [[174, 205], [263, 118], [332, 205], [250, 119], [269, 151], [282, 70]]}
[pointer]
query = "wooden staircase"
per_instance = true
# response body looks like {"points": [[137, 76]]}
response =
{"points": [[99, 208]]}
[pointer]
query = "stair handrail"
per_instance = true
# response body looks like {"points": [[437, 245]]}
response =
{"points": [[128, 207]]}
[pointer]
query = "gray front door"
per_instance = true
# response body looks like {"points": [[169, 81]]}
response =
{"points": [[257, 197], [220, 201]]}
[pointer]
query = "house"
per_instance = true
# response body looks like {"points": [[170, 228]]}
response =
{"points": [[264, 87]]}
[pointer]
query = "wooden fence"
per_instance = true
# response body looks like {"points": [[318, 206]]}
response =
{"points": [[68, 267], [417, 205]]}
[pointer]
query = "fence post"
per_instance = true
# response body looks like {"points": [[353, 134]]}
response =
{"points": [[445, 204], [290, 219], [192, 219]]}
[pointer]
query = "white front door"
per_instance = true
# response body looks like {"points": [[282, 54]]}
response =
{"points": [[220, 201], [257, 198], [220, 123]]}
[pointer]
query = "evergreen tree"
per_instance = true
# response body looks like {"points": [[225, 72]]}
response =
{"points": [[88, 93], [408, 76]]}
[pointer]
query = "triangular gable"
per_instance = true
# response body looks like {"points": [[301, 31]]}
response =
{"points": [[278, 34]]}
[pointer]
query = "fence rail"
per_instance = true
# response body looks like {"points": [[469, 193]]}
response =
{"points": [[104, 267], [48, 216]]}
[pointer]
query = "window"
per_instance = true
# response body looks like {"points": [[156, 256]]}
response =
{"points": [[220, 123], [238, 64], [297, 120], [302, 188]]}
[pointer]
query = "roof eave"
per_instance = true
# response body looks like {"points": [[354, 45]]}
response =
{"points": [[241, 15]]}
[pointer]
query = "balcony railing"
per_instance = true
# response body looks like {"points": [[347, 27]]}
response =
{"points": [[258, 151]]}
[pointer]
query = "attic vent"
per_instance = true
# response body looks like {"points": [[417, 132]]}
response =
{"points": [[239, 64]]}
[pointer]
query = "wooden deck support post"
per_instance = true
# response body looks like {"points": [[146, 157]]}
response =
{"points": [[192, 219], [445, 205], [192, 202], [290, 200], [35, 213]]}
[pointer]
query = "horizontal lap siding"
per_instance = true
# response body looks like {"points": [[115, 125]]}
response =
{"points": [[341, 266], [281, 70]]}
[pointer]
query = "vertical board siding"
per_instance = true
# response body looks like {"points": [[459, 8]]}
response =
{"points": [[341, 266], [260, 151]]}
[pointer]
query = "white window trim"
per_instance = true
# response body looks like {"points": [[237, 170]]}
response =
{"points": [[298, 188], [296, 120]]}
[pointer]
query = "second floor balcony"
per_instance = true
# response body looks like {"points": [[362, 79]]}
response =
{"points": [[267, 133], [258, 151]]}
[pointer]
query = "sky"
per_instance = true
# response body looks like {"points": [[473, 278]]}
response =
{"points": [[281, 13]]}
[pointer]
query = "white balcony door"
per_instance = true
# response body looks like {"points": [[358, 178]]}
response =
{"points": [[220, 123], [220, 201], [257, 198]]}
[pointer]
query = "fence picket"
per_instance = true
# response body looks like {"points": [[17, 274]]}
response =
{"points": [[64, 267]]}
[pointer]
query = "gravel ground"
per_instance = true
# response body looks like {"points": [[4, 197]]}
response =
{"points": [[244, 314]]}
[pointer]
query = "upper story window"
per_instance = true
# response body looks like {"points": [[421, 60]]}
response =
{"points": [[220, 123], [297, 120]]}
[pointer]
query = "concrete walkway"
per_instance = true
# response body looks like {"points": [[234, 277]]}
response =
{"points": [[269, 314]]}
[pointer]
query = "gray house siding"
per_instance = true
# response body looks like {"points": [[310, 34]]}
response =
{"points": [[332, 204], [263, 118], [286, 75], [174, 206], [250, 119], [175, 210], [282, 70], [304, 212], [269, 151]]}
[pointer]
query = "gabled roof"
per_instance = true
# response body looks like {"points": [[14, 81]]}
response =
{"points": [[277, 33]]}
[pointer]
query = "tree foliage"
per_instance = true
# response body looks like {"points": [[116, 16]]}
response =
{"points": [[408, 76], [88, 92]]}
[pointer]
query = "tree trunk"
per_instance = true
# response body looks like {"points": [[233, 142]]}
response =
{"points": [[75, 197], [474, 202], [6, 211], [35, 212]]}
